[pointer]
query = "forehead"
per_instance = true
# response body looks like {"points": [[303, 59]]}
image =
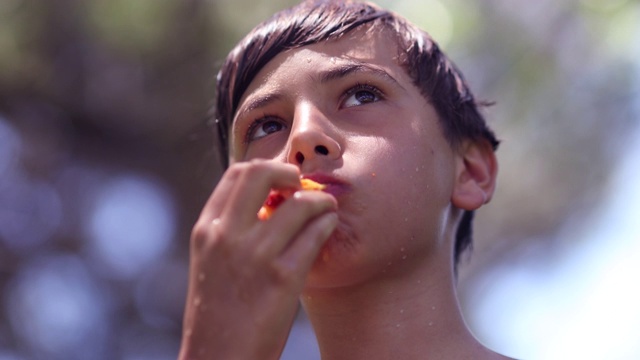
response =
{"points": [[366, 45]]}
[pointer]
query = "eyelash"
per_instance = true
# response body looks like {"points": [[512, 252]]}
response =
{"points": [[254, 125], [359, 87], [346, 94]]}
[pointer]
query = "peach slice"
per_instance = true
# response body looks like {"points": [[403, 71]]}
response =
{"points": [[276, 198]]}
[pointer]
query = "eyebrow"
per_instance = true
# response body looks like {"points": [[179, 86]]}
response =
{"points": [[326, 76], [352, 68], [259, 102]]}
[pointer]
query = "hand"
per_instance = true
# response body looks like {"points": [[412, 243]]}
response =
{"points": [[245, 274]]}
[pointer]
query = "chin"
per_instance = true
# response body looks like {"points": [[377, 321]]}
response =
{"points": [[337, 260]]}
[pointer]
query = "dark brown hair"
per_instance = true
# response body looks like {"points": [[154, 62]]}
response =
{"points": [[313, 21]]}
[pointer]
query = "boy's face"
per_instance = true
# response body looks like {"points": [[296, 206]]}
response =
{"points": [[348, 115]]}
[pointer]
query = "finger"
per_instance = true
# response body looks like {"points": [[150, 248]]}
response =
{"points": [[231, 179], [304, 249], [215, 203], [290, 218], [252, 187]]}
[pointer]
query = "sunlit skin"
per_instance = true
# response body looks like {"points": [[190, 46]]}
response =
{"points": [[371, 256]]}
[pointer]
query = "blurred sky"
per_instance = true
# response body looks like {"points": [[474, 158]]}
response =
{"points": [[106, 160], [582, 304], [578, 299]]}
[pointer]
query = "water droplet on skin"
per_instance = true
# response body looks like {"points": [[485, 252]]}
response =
{"points": [[402, 249], [417, 169], [201, 277], [309, 60], [401, 311], [433, 308], [197, 301], [397, 325], [430, 323], [333, 60], [404, 257], [325, 256]]}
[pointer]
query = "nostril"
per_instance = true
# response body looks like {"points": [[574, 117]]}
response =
{"points": [[322, 150], [299, 158]]}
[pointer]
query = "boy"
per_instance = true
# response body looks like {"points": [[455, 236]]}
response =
{"points": [[357, 99]]}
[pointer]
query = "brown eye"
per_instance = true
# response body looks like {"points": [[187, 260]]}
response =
{"points": [[365, 96], [263, 127], [361, 95]]}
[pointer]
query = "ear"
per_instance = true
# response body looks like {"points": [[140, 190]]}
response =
{"points": [[476, 170]]}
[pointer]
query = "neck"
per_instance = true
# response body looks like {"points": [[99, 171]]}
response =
{"points": [[410, 316]]}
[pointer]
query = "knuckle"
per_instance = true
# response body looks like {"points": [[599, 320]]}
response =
{"points": [[199, 240], [281, 274], [255, 167], [235, 170], [205, 236], [247, 169], [199, 231]]}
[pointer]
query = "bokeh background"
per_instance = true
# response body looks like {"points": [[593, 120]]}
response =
{"points": [[106, 157]]}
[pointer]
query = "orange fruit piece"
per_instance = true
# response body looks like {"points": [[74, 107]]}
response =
{"points": [[276, 198], [308, 184]]}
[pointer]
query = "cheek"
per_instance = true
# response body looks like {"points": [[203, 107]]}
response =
{"points": [[408, 181], [270, 147]]}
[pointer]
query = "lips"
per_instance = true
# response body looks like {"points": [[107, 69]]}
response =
{"points": [[325, 183], [313, 182], [334, 185]]}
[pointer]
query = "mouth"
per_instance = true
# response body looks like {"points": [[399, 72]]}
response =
{"points": [[334, 185]]}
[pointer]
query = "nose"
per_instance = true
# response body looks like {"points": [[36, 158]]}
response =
{"points": [[313, 138]]}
